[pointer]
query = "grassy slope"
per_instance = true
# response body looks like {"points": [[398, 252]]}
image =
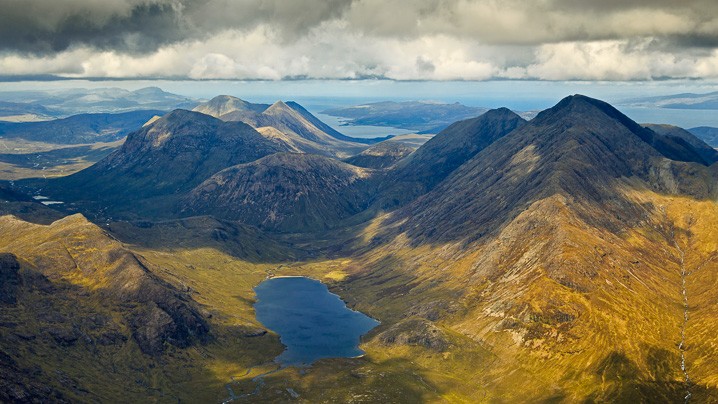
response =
{"points": [[550, 339]]}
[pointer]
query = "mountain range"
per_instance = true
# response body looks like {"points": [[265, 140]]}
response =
{"points": [[571, 257], [41, 105]]}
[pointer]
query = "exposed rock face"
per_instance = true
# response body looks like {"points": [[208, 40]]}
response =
{"points": [[286, 192], [152, 326], [415, 331], [9, 278]]}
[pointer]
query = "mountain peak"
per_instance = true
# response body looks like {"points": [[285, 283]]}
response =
{"points": [[181, 116], [222, 105], [589, 114], [150, 91], [279, 106], [499, 113]]}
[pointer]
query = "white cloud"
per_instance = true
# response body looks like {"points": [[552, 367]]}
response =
{"points": [[442, 40]]}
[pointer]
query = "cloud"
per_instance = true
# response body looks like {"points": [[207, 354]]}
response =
{"points": [[400, 39]]}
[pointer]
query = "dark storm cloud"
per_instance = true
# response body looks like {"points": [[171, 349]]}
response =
{"points": [[137, 26]]}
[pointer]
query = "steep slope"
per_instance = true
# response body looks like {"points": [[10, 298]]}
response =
{"points": [[706, 152], [73, 302], [78, 129], [328, 129], [444, 153], [284, 192], [172, 155], [573, 250]]}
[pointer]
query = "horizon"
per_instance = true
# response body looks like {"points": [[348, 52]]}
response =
{"points": [[518, 95]]}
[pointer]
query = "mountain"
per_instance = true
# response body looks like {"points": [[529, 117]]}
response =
{"points": [[707, 134], [284, 192], [441, 155], [289, 118], [229, 108], [78, 129], [156, 163], [577, 252], [382, 155], [425, 116], [707, 153], [569, 149]]}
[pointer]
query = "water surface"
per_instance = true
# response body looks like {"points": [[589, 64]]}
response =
{"points": [[343, 126], [312, 322]]}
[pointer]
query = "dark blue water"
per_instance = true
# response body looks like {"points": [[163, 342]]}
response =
{"points": [[311, 322]]}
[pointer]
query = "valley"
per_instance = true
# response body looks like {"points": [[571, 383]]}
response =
{"points": [[566, 258]]}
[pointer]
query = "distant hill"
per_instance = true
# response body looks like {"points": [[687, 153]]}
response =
{"points": [[79, 129], [100, 100], [707, 134], [428, 117], [25, 112]]}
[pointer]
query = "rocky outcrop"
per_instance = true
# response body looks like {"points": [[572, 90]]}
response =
{"points": [[415, 331]]}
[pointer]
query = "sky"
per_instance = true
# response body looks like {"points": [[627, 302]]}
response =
{"points": [[553, 40]]}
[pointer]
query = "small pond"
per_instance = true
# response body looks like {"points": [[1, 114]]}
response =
{"points": [[311, 322]]}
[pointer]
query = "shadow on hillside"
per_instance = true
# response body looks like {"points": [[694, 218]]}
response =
{"points": [[626, 384]]}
